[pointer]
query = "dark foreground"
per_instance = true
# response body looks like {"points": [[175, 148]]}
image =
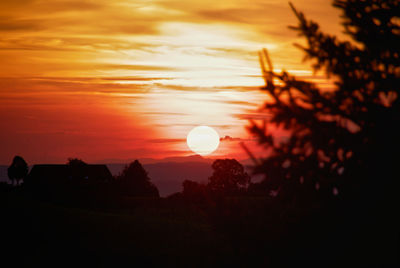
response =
{"points": [[238, 232]]}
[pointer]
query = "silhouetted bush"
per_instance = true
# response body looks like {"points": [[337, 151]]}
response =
{"points": [[228, 178], [336, 175], [344, 139], [18, 169], [135, 181], [77, 169], [195, 192]]}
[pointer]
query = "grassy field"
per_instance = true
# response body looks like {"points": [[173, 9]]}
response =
{"points": [[152, 232], [45, 233]]}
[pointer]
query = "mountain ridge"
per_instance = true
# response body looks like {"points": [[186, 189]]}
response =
{"points": [[167, 174]]}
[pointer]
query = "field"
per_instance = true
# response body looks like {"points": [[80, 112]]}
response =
{"points": [[45, 233], [150, 232]]}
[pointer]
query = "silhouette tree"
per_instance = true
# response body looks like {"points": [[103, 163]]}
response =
{"points": [[194, 192], [335, 171], [134, 180], [229, 177], [76, 162], [342, 140], [17, 170], [78, 168]]}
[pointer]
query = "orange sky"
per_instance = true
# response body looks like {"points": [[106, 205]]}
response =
{"points": [[128, 79]]}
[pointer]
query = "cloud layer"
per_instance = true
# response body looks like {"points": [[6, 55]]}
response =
{"points": [[107, 79]]}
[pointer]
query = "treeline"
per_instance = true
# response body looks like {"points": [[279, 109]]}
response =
{"points": [[77, 180]]}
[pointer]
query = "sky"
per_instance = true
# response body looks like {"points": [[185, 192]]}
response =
{"points": [[126, 79]]}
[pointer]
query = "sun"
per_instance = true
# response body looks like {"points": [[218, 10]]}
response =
{"points": [[203, 140]]}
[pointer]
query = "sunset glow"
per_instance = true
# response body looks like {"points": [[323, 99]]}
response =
{"points": [[129, 79], [210, 133]]}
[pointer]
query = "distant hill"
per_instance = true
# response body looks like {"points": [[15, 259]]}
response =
{"points": [[3, 174], [168, 177], [180, 159], [184, 159], [167, 174]]}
